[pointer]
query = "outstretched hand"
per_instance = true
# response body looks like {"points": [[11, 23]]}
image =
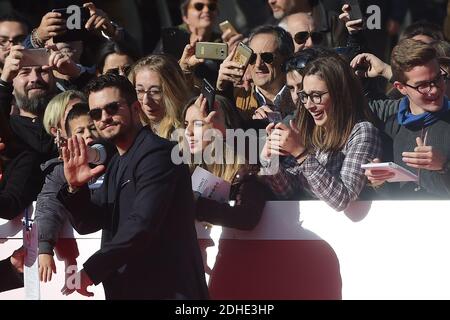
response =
{"points": [[76, 167]]}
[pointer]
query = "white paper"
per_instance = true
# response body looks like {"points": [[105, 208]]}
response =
{"points": [[210, 186], [401, 174], [31, 270]]}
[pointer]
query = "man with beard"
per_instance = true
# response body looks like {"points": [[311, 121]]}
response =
{"points": [[32, 87], [145, 206]]}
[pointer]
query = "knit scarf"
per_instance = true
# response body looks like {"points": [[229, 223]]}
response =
{"points": [[412, 121]]}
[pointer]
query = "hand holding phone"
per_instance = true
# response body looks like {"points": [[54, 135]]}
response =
{"points": [[209, 93], [75, 18]]}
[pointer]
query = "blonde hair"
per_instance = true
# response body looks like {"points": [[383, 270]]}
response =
{"points": [[57, 107], [175, 91]]}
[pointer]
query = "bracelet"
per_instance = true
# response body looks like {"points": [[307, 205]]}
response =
{"points": [[300, 155], [36, 42]]}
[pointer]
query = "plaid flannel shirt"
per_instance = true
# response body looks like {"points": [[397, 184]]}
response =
{"points": [[336, 178]]}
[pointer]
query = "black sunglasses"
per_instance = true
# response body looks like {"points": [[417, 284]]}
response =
{"points": [[295, 63], [200, 5], [267, 57], [302, 36], [111, 109]]}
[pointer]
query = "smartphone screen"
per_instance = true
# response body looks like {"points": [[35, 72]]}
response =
{"points": [[74, 31], [34, 57], [209, 93]]}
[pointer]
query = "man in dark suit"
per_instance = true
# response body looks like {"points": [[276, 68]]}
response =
{"points": [[145, 207]]}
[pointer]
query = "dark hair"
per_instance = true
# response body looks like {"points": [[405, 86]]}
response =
{"points": [[78, 110], [285, 44], [423, 27], [111, 47], [112, 80], [15, 16], [300, 59]]}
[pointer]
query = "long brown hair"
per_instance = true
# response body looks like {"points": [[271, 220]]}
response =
{"points": [[348, 105]]}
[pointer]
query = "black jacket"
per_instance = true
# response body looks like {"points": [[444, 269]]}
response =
{"points": [[250, 196], [146, 210], [21, 182], [9, 277]]}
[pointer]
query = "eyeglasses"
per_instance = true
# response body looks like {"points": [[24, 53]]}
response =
{"points": [[302, 36], [111, 109], [200, 5], [267, 57], [16, 40], [425, 87], [152, 92], [315, 97]]}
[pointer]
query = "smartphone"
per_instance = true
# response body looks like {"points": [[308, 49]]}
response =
{"points": [[211, 50], [242, 55], [208, 92], [34, 57], [174, 40], [274, 117], [75, 31], [355, 12], [226, 25]]}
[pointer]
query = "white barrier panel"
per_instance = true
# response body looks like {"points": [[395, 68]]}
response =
{"points": [[306, 250]]}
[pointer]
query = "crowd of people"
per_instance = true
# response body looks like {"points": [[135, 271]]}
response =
{"points": [[314, 99]]}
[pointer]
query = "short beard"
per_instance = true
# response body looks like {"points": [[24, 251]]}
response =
{"points": [[35, 105]]}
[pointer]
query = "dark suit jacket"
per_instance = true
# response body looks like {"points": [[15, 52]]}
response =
{"points": [[146, 210], [9, 277]]}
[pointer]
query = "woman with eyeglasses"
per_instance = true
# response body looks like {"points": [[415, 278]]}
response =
{"points": [[295, 65], [323, 150], [162, 91]]}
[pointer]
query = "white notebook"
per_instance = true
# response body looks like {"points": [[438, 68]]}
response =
{"points": [[401, 174]]}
